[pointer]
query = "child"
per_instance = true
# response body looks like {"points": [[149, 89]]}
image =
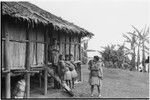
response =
{"points": [[61, 67], [73, 71], [67, 76]]}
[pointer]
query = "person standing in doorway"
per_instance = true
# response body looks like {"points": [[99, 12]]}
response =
{"points": [[96, 74], [55, 57]]}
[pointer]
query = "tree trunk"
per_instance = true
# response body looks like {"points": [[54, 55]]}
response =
{"points": [[133, 58], [143, 57], [138, 57]]}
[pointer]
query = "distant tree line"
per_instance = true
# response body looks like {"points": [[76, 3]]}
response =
{"points": [[119, 58]]}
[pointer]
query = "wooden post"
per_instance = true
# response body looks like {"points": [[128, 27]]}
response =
{"points": [[40, 81], [65, 44], [70, 45], [7, 67], [80, 58], [59, 41], [36, 49], [80, 49], [46, 63], [27, 65], [75, 58], [1, 49]]}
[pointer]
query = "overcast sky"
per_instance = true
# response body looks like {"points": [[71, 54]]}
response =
{"points": [[106, 19]]}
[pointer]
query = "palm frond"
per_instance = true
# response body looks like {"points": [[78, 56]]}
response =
{"points": [[147, 52], [127, 38], [139, 32], [146, 33], [146, 47], [130, 33]]}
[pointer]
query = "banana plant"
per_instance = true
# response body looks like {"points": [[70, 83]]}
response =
{"points": [[143, 37], [131, 39]]}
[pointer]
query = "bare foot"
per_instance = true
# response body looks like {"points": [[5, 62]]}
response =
{"points": [[99, 95]]}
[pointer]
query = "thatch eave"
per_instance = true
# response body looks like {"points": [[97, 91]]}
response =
{"points": [[30, 12]]}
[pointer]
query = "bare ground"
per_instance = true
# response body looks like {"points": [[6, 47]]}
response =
{"points": [[117, 83]]}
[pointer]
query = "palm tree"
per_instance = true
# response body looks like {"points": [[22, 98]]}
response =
{"points": [[143, 37], [138, 43], [125, 52], [108, 51], [132, 41]]}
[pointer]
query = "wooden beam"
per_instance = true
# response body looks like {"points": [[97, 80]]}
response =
{"points": [[75, 52], [46, 62], [24, 41], [79, 39], [40, 81], [59, 40], [27, 65], [1, 47], [80, 58], [36, 59], [7, 67], [70, 45], [65, 44]]}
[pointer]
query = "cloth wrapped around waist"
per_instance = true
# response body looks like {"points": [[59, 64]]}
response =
{"points": [[96, 73]]}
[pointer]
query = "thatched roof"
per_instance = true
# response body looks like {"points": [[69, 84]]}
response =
{"points": [[28, 11]]}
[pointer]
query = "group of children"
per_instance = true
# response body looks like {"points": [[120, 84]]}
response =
{"points": [[67, 71]]}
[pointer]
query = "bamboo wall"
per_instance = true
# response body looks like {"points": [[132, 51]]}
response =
{"points": [[69, 45], [17, 50], [62, 44], [36, 49], [72, 46]]}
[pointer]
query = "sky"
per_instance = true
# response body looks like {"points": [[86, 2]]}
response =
{"points": [[106, 19]]}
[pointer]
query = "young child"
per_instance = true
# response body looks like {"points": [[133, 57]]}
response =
{"points": [[73, 72], [61, 67], [67, 76]]}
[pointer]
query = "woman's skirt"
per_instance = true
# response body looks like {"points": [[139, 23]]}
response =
{"points": [[95, 81], [74, 73], [67, 75], [55, 57]]}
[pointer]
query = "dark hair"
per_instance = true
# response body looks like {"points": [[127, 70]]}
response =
{"points": [[54, 39], [70, 55], [60, 56], [96, 57], [66, 56]]}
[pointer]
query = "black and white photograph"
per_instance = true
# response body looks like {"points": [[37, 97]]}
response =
{"points": [[75, 49]]}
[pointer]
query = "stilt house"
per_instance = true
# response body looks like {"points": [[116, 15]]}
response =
{"points": [[27, 31]]}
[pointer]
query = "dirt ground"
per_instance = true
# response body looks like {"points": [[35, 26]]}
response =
{"points": [[117, 83]]}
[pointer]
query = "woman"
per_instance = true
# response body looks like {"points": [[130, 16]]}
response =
{"points": [[55, 55], [96, 74], [55, 52]]}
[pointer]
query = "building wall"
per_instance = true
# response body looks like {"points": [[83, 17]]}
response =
{"points": [[68, 45], [17, 50]]}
